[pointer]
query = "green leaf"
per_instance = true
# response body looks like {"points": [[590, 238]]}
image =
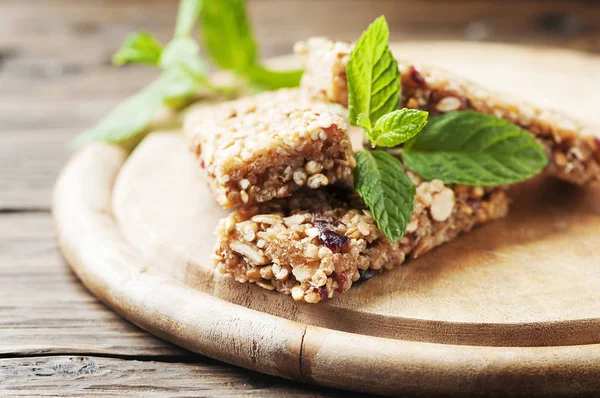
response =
{"points": [[397, 127], [363, 121], [184, 53], [273, 79], [227, 35], [373, 75], [474, 149], [139, 48], [187, 16], [134, 115], [380, 180]]}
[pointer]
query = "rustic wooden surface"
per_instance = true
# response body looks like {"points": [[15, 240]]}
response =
{"points": [[55, 80]]}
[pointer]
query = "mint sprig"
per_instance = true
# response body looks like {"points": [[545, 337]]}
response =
{"points": [[132, 116], [474, 149], [139, 48], [458, 148], [226, 33], [229, 42], [373, 96], [187, 16], [380, 180]]}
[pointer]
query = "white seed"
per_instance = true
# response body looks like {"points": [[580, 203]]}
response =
{"points": [[244, 184], [299, 177], [448, 104], [261, 243], [302, 272], [283, 274], [295, 219], [270, 219], [311, 252], [244, 196], [229, 225], [363, 227], [412, 226], [319, 278], [312, 298], [312, 232], [250, 232], [313, 167], [266, 272], [317, 180], [325, 252], [297, 293]]}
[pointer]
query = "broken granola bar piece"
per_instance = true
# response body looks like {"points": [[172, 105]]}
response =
{"points": [[572, 148], [268, 146], [315, 245]]}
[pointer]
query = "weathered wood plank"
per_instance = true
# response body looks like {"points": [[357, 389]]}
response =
{"points": [[75, 376], [45, 310]]}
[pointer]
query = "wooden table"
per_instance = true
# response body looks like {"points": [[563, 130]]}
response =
{"points": [[56, 80]]}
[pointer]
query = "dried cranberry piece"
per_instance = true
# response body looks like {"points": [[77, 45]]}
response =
{"points": [[597, 142], [323, 293], [341, 281], [334, 241], [474, 203], [416, 77]]}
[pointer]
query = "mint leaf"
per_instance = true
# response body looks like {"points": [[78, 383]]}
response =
{"points": [[397, 127], [184, 53], [474, 149], [132, 116], [227, 34], [187, 16], [373, 75], [273, 79], [363, 121], [380, 180], [138, 48]]}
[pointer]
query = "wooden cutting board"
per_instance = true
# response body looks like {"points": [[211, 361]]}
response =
{"points": [[512, 307]]}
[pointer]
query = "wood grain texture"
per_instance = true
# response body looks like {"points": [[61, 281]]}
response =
{"points": [[54, 69], [44, 310], [76, 376]]}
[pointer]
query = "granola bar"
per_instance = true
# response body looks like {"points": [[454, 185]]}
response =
{"points": [[572, 148], [268, 146], [315, 246]]}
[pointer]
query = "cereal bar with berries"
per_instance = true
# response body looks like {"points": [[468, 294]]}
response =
{"points": [[268, 146], [316, 244], [573, 149]]}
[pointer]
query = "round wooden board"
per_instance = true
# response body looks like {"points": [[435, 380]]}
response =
{"points": [[509, 308]]}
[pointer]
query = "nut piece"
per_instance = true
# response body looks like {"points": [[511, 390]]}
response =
{"points": [[317, 180], [442, 205], [251, 253]]}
